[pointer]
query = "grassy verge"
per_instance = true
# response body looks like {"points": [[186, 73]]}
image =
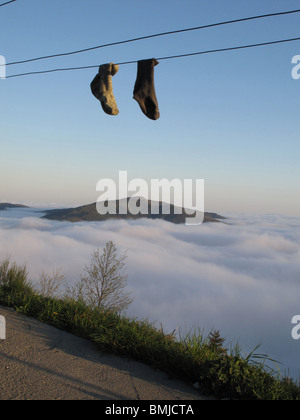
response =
{"points": [[192, 358]]}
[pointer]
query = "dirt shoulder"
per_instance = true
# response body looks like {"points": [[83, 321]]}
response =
{"points": [[40, 362]]}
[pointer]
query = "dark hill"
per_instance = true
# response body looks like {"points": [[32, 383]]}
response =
{"points": [[5, 206], [88, 213]]}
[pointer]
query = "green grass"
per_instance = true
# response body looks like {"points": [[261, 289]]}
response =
{"points": [[194, 358]]}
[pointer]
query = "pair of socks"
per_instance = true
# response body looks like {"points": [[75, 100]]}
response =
{"points": [[144, 89]]}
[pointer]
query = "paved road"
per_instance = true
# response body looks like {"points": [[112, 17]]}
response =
{"points": [[39, 362]]}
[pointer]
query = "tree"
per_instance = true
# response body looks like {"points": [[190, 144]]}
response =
{"points": [[104, 281], [216, 342], [50, 284]]}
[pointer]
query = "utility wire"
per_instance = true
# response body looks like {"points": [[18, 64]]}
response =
{"points": [[4, 4], [154, 36], [163, 58]]}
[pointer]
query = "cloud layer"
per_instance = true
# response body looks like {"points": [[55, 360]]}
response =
{"points": [[241, 278]]}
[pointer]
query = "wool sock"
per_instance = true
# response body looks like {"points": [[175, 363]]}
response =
{"points": [[144, 89], [102, 88]]}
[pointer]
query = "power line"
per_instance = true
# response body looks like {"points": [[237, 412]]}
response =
{"points": [[52, 71], [154, 36], [164, 58], [4, 4], [262, 44]]}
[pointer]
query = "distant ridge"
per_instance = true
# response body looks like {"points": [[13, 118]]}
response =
{"points": [[5, 206], [88, 213]]}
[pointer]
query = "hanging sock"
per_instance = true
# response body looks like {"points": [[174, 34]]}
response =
{"points": [[102, 88], [144, 89]]}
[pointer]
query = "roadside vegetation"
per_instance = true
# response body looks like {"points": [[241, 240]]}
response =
{"points": [[195, 358]]}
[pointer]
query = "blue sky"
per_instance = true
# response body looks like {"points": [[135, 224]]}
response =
{"points": [[230, 118]]}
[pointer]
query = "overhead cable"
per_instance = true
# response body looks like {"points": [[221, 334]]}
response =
{"points": [[4, 4], [163, 58], [154, 36]]}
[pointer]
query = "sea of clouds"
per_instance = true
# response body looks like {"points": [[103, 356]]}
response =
{"points": [[241, 277]]}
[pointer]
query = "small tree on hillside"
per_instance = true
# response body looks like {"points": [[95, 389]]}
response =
{"points": [[50, 285], [104, 281]]}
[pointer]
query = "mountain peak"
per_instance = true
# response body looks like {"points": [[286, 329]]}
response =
{"points": [[89, 212]]}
